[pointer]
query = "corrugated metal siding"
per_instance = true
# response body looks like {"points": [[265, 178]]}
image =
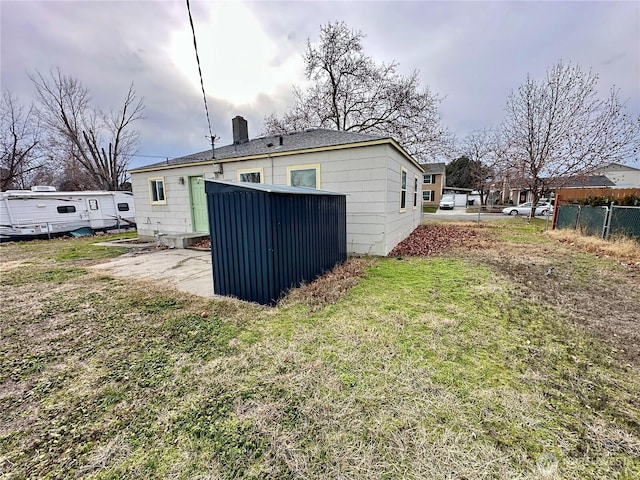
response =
{"points": [[264, 243]]}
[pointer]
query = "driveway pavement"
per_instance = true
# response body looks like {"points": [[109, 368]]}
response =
{"points": [[460, 214], [184, 269]]}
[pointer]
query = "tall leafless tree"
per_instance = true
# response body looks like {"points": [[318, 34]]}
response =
{"points": [[81, 134], [557, 128], [349, 91], [20, 154], [482, 148]]}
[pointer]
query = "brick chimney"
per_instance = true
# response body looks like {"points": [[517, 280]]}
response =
{"points": [[240, 130]]}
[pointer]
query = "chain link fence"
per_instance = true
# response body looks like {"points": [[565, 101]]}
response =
{"points": [[603, 222], [624, 221]]}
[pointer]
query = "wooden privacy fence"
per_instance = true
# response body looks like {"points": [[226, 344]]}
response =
{"points": [[569, 195]]}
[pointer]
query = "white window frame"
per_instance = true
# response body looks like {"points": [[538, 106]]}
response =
{"points": [[259, 171], [415, 192], [403, 189], [432, 195], [310, 166], [153, 188], [432, 178]]}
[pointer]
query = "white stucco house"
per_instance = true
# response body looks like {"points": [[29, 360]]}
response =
{"points": [[381, 180], [621, 175]]}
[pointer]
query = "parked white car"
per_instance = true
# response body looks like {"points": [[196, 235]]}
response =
{"points": [[525, 209], [447, 202]]}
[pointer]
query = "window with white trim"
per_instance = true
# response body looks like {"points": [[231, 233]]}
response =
{"points": [[156, 191], [428, 178], [304, 176], [428, 195], [403, 189], [415, 192], [255, 175]]}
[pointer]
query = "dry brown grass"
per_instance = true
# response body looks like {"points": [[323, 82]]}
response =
{"points": [[330, 287], [621, 248], [415, 368]]}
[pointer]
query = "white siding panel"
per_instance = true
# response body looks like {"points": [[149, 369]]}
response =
{"points": [[370, 176], [175, 216]]}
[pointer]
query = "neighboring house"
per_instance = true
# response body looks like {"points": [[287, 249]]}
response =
{"points": [[620, 175], [381, 180], [434, 179], [520, 194], [586, 182]]}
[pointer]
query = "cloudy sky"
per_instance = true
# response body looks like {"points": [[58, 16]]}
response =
{"points": [[473, 54]]}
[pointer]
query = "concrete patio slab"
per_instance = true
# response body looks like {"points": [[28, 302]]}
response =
{"points": [[186, 270]]}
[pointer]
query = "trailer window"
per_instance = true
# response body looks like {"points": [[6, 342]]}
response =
{"points": [[93, 204], [66, 209], [123, 207]]}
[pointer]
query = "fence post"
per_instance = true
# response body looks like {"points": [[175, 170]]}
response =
{"points": [[578, 217], [605, 223], [606, 228], [556, 207]]}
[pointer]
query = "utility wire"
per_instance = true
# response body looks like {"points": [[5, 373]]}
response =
{"points": [[204, 95]]}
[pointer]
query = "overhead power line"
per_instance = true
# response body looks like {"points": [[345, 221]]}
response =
{"points": [[204, 95]]}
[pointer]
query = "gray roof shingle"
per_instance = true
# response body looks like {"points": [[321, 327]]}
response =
{"points": [[434, 167], [310, 138], [589, 181]]}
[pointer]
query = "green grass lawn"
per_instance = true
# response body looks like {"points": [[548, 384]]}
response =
{"points": [[427, 368]]}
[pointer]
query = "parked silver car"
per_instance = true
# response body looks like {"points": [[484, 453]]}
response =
{"points": [[525, 209], [447, 202]]}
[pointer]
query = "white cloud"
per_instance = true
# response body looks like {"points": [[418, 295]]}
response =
{"points": [[239, 60], [471, 53]]}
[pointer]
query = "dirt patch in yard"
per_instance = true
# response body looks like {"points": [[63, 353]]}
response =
{"points": [[598, 293], [591, 282]]}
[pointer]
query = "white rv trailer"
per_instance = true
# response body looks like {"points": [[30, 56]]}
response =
{"points": [[45, 211]]}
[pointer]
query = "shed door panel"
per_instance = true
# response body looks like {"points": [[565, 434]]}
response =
{"points": [[199, 218]]}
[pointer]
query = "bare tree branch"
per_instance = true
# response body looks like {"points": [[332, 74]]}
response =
{"points": [[351, 92], [20, 146], [557, 129], [101, 144]]}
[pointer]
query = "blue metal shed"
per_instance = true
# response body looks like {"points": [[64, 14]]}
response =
{"points": [[267, 239]]}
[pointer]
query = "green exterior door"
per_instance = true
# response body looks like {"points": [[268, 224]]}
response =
{"points": [[199, 215]]}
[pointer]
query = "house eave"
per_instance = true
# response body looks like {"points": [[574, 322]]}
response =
{"points": [[274, 154], [172, 167]]}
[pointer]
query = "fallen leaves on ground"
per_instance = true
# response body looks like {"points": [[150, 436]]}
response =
{"points": [[433, 239], [204, 244]]}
